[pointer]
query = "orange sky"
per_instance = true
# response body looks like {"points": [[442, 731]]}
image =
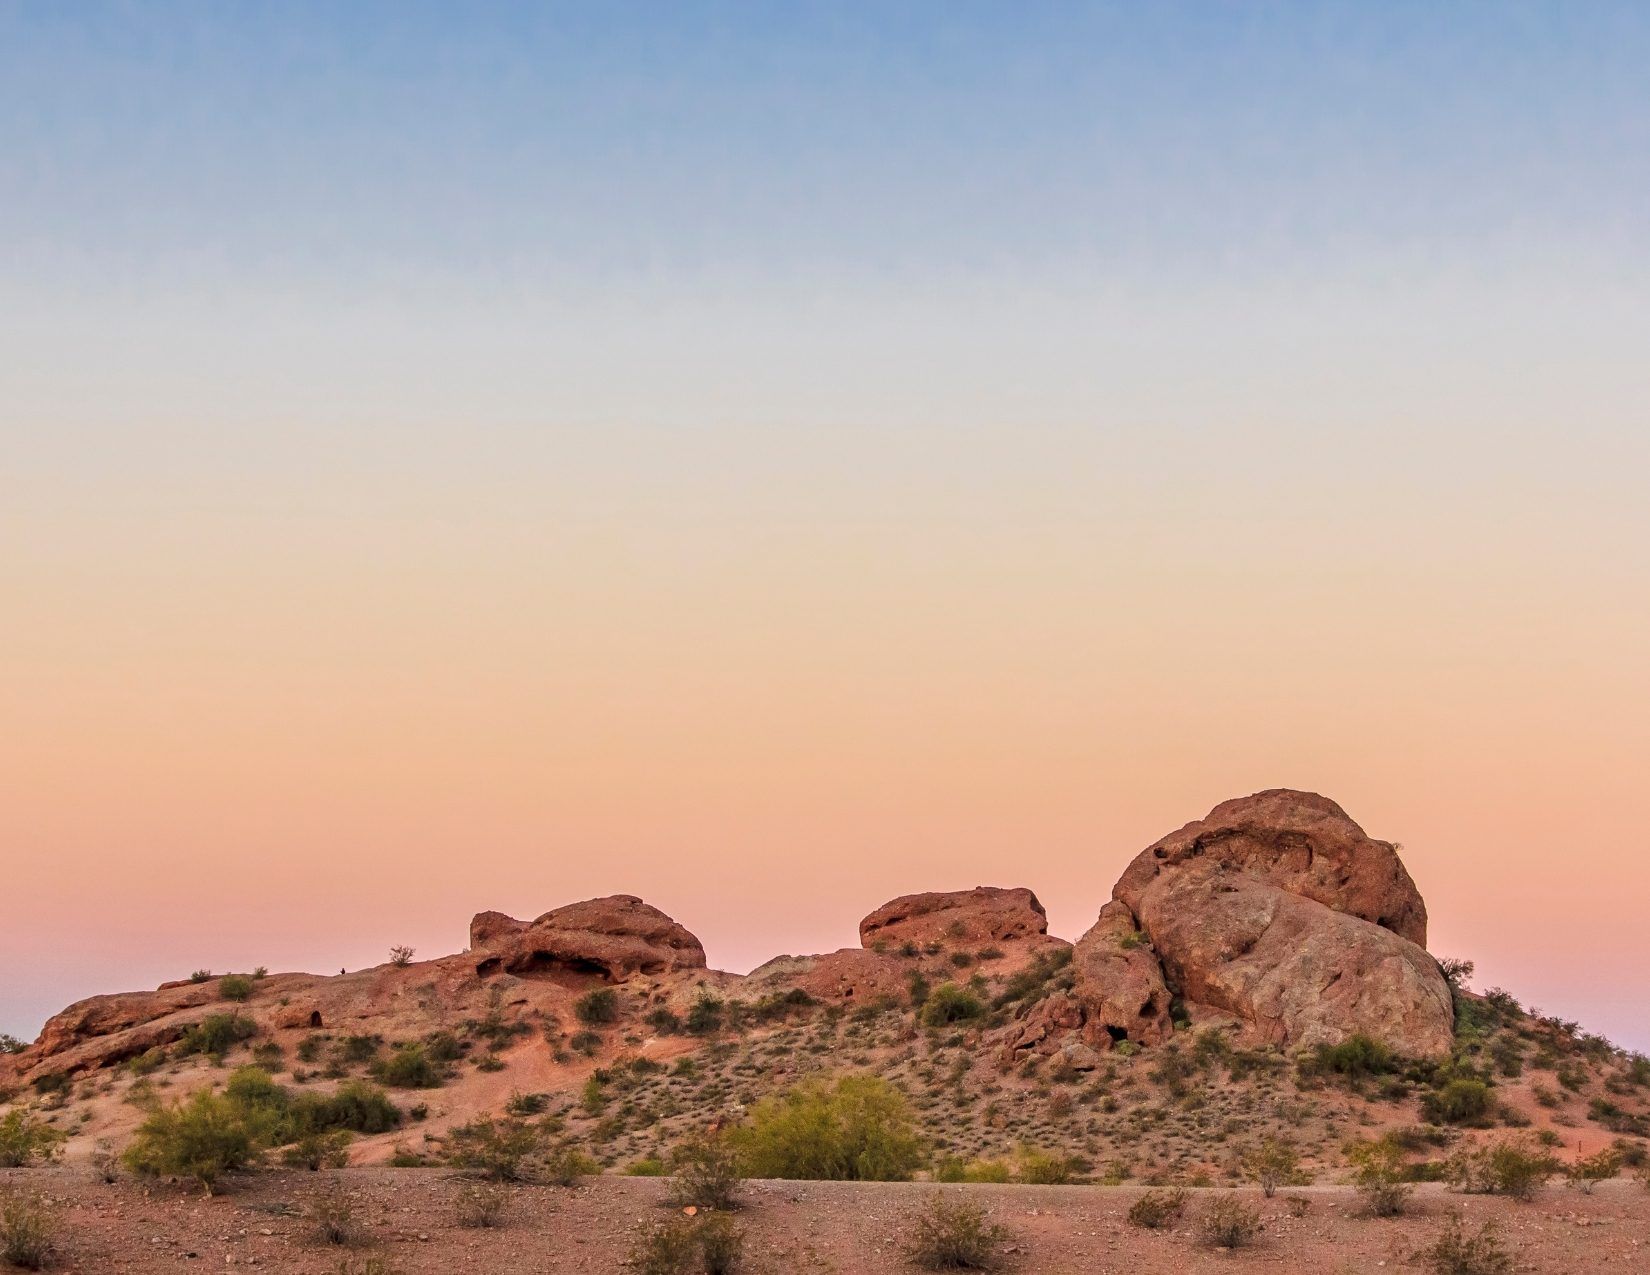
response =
{"points": [[772, 462]]}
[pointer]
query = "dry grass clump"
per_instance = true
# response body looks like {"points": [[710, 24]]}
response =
{"points": [[1157, 1209], [1228, 1222], [954, 1236]]}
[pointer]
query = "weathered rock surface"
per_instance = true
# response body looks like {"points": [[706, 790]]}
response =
{"points": [[1119, 982], [1300, 842], [985, 914], [615, 937], [1279, 909]]}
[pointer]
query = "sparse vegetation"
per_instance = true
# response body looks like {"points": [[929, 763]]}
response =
{"points": [[948, 1003], [401, 956], [954, 1235], [1271, 1164], [408, 1066], [1512, 1167], [500, 1149], [1380, 1176], [1228, 1222], [216, 1034], [26, 1139], [1591, 1170], [1459, 1252], [334, 1221], [481, 1204], [597, 1008], [705, 1173], [709, 1243], [28, 1232], [1157, 1209]]}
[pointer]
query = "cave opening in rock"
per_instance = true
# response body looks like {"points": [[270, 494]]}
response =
{"points": [[1118, 1034], [315, 1018]]}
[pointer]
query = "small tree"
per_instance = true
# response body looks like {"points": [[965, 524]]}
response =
{"points": [[858, 1129], [500, 1149], [401, 955], [235, 987], [202, 1138], [1272, 1164]]}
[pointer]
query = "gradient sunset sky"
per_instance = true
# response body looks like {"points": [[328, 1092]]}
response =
{"points": [[771, 458]]}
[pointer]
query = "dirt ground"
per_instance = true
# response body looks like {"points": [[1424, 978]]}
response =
{"points": [[793, 1228]]}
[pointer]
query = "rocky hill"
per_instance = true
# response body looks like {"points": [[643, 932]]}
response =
{"points": [[1262, 969]]}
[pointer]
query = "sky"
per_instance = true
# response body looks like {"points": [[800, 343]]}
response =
{"points": [[772, 458]]}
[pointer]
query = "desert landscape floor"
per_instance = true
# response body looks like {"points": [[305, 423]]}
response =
{"points": [[408, 1225]]}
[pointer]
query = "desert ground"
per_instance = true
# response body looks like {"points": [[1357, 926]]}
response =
{"points": [[408, 1225]]}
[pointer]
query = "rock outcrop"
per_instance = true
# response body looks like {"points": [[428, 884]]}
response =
{"points": [[1280, 910], [614, 937], [985, 914]]}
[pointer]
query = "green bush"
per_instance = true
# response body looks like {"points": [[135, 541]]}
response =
{"points": [[1590, 1170], [25, 1138], [1463, 1100], [1045, 1168], [1512, 1166], [597, 1008], [567, 1164], [705, 1016], [954, 1236], [28, 1233], [216, 1034], [955, 1169], [1272, 1163], [500, 1149], [949, 1003], [408, 1066], [235, 987], [858, 1129], [1355, 1058], [316, 1150], [203, 1137]]}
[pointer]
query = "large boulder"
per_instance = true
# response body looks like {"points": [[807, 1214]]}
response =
{"points": [[985, 914], [613, 938], [1300, 842], [1119, 982], [1278, 909], [1297, 973]]}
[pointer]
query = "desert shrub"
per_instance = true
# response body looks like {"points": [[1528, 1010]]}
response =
{"points": [[1463, 1100], [955, 1169], [1457, 1252], [664, 1021], [9, 1044], [1047, 971], [480, 1204], [948, 1003], [598, 1007], [269, 1056], [527, 1104], [1157, 1209], [1273, 1163], [1355, 1058], [401, 955], [1513, 1166], [1228, 1222], [1045, 1168], [585, 1042], [705, 1173], [356, 1106], [234, 987], [333, 1218], [1380, 1176], [1587, 1172], [500, 1149], [28, 1232], [317, 1150], [408, 1066], [649, 1166], [858, 1129], [709, 1243], [201, 976], [203, 1137], [25, 1138], [566, 1165], [955, 1235], [705, 1015], [216, 1034]]}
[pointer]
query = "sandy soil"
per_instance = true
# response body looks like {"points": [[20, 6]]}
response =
{"points": [[793, 1228]]}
